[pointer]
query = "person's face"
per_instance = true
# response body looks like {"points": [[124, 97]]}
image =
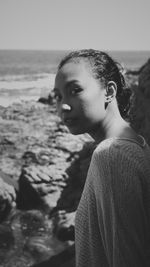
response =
{"points": [[80, 98]]}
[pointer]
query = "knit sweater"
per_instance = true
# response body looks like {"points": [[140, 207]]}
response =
{"points": [[112, 226]]}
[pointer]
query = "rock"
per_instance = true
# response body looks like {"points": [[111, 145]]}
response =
{"points": [[39, 188], [8, 179], [49, 166], [36, 231], [49, 100], [144, 79], [140, 109], [54, 184], [6, 237], [24, 127], [76, 172], [6, 241], [7, 199], [44, 150], [64, 259], [64, 225]]}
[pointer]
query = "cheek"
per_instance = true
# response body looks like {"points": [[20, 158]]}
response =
{"points": [[94, 107]]}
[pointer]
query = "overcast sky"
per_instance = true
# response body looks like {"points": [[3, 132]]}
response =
{"points": [[73, 24]]}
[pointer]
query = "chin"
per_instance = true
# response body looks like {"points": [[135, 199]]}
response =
{"points": [[76, 131]]}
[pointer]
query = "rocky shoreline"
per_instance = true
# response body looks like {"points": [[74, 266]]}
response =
{"points": [[42, 174]]}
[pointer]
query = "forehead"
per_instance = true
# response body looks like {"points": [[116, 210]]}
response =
{"points": [[74, 71]]}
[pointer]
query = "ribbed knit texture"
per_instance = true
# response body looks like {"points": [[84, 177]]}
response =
{"points": [[112, 227]]}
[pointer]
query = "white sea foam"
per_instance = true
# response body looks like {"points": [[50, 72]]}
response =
{"points": [[24, 87], [23, 82]]}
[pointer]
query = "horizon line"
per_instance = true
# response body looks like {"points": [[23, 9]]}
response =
{"points": [[63, 50]]}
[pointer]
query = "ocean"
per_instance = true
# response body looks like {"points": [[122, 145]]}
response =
{"points": [[27, 75]]}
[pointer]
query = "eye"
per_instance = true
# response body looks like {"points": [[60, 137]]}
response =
{"points": [[75, 90]]}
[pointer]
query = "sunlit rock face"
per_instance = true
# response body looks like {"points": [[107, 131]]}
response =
{"points": [[48, 167]]}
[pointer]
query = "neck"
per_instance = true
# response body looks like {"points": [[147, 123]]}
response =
{"points": [[113, 125]]}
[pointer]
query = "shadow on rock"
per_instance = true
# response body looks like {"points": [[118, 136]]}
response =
{"points": [[77, 172], [64, 214], [64, 259], [140, 109]]}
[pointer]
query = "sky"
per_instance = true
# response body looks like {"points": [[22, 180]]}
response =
{"points": [[75, 24]]}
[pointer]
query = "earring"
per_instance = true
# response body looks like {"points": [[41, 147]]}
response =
{"points": [[106, 105], [108, 100]]}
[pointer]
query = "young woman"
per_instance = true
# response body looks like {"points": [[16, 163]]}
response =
{"points": [[112, 227]]}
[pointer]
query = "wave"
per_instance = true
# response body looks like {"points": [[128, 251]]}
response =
{"points": [[24, 87], [26, 81]]}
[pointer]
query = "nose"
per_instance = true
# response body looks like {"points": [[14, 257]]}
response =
{"points": [[66, 107], [63, 108]]}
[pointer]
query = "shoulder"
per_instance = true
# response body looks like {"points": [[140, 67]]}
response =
{"points": [[117, 162], [115, 149], [112, 145]]}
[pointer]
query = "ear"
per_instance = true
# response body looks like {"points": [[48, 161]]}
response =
{"points": [[111, 91]]}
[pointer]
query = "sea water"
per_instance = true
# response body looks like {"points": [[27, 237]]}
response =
{"points": [[27, 75]]}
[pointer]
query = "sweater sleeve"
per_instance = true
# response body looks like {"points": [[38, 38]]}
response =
{"points": [[120, 209]]}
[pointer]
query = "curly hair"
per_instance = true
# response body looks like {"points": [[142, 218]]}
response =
{"points": [[105, 69]]}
